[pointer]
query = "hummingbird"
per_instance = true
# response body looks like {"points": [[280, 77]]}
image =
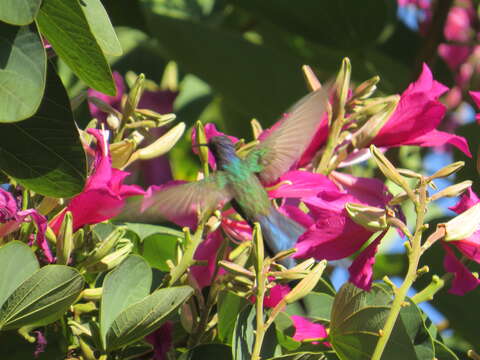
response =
{"points": [[241, 180]]}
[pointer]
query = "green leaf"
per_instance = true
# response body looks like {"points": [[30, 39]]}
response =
{"points": [[127, 284], [19, 12], [44, 153], [12, 275], [145, 230], [157, 249], [262, 86], [341, 23], [208, 351], [358, 316], [101, 27], [145, 316], [50, 290], [318, 306], [229, 306], [22, 72], [65, 26], [244, 337]]}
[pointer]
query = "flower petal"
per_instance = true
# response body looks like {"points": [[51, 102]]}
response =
{"points": [[463, 280]]}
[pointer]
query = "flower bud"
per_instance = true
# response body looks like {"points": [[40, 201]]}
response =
{"points": [[201, 140], [111, 260], [447, 170], [121, 152], [387, 168], [365, 135], [157, 118], [65, 239], [113, 121], [342, 86], [236, 269], [367, 88], [452, 191], [370, 217], [102, 105], [48, 204], [162, 145], [463, 225], [104, 247], [307, 284], [311, 78], [133, 97], [256, 128]]}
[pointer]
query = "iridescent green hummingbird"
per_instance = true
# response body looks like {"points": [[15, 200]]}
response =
{"points": [[240, 180]]}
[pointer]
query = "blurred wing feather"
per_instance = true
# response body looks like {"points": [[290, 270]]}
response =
{"points": [[182, 203], [285, 144]]}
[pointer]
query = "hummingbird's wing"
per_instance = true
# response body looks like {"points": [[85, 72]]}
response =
{"points": [[286, 143], [185, 203]]}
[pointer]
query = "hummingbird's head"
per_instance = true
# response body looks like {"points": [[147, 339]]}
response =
{"points": [[223, 150]]}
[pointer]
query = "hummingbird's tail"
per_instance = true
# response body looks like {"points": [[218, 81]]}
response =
{"points": [[280, 233]]}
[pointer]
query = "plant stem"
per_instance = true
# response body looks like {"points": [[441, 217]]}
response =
{"points": [[261, 279], [413, 258], [187, 258]]}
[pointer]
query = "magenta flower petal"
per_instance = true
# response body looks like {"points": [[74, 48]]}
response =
{"points": [[41, 344], [476, 98], [160, 101], [299, 184], [361, 270], [8, 206], [41, 223], [162, 340], [463, 280], [207, 250], [417, 116], [104, 194], [113, 101], [275, 295], [305, 329], [468, 199]]}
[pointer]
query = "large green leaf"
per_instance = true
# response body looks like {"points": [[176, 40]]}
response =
{"points": [[250, 77], [44, 153], [328, 355], [101, 27], [12, 275], [341, 23], [208, 351], [65, 26], [126, 285], [157, 249], [50, 290], [358, 316], [244, 337], [19, 12], [229, 305], [22, 72], [442, 352], [144, 317]]}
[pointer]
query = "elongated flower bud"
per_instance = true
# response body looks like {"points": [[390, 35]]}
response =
{"points": [[307, 284], [370, 217], [162, 145]]}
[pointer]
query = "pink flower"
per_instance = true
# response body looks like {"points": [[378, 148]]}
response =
{"points": [[476, 98], [207, 251], [463, 281], [155, 171], [162, 340], [458, 26], [333, 234], [11, 218], [307, 330], [417, 116], [454, 55], [104, 194]]}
